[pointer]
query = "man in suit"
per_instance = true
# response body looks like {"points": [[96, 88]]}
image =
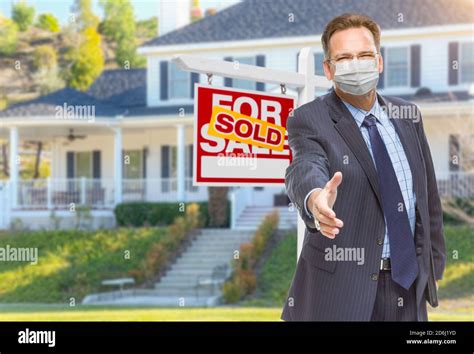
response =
{"points": [[363, 181]]}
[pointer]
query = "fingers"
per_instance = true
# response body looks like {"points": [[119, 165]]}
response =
{"points": [[332, 222], [334, 182], [328, 231]]}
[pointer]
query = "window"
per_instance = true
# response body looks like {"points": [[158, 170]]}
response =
{"points": [[179, 82], [467, 62], [397, 66], [133, 164], [318, 64], [244, 84], [83, 164]]}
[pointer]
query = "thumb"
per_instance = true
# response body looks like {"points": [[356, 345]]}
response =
{"points": [[334, 182]]}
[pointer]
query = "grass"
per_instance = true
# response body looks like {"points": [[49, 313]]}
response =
{"points": [[456, 290], [72, 263], [90, 313]]}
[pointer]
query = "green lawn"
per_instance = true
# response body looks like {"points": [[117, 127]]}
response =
{"points": [[72, 263], [89, 313]]}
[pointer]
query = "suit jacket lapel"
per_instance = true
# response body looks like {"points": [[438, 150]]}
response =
{"points": [[347, 127]]}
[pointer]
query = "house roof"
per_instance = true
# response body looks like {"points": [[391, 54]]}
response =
{"points": [[48, 105], [258, 19], [120, 87]]}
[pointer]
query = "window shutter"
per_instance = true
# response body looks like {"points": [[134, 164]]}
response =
{"points": [[144, 158], [96, 164], [194, 80], [228, 80], [260, 61], [415, 65], [381, 83], [165, 161], [453, 63], [164, 80], [70, 164]]}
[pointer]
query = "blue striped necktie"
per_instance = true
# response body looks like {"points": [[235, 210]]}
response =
{"points": [[402, 247]]}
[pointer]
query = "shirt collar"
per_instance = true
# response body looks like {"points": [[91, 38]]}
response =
{"points": [[359, 114]]}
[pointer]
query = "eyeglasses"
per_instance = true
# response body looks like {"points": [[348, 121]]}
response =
{"points": [[348, 57]]}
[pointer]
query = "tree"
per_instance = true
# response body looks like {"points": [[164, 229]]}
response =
{"points": [[48, 22], [119, 25], [87, 61], [8, 36], [217, 206], [84, 15], [23, 15], [46, 75]]}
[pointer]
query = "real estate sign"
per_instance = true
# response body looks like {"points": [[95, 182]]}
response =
{"points": [[240, 137]]}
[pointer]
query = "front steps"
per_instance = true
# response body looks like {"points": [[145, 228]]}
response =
{"points": [[252, 216], [177, 288]]}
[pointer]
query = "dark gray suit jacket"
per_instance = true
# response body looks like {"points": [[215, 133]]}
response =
{"points": [[324, 138]]}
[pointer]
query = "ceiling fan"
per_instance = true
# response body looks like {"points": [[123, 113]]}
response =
{"points": [[71, 137]]}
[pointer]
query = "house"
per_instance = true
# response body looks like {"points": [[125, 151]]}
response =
{"points": [[130, 136]]}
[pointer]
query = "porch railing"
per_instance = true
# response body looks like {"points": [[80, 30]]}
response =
{"points": [[52, 193], [456, 184], [55, 193]]}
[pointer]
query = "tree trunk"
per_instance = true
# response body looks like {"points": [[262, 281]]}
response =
{"points": [[218, 206], [38, 158]]}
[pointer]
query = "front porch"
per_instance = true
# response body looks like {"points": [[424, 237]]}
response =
{"points": [[98, 194]]}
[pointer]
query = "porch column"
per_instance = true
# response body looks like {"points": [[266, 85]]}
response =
{"points": [[14, 165], [180, 167], [118, 165]]}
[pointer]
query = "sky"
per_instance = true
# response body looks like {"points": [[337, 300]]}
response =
{"points": [[143, 9]]}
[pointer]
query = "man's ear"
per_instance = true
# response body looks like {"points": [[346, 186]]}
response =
{"points": [[327, 70], [380, 64]]}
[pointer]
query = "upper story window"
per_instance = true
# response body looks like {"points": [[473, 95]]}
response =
{"points": [[318, 64], [179, 82], [396, 66], [244, 84], [467, 62]]}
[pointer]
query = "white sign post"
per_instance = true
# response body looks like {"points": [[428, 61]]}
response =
{"points": [[304, 81]]}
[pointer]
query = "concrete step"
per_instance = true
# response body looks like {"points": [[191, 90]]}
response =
{"points": [[200, 261], [185, 292]]}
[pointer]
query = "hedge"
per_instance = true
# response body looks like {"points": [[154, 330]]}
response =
{"points": [[140, 214], [243, 281]]}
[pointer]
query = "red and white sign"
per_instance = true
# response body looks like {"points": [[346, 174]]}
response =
{"points": [[240, 137]]}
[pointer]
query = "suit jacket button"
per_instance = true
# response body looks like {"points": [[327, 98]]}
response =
{"points": [[374, 276], [380, 241], [419, 250]]}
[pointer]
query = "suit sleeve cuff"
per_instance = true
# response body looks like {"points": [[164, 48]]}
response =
{"points": [[310, 215]]}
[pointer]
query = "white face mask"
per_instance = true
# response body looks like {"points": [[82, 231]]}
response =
{"points": [[357, 77]]}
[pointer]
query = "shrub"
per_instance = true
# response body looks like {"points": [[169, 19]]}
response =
{"points": [[155, 214], [44, 58], [48, 22], [243, 280], [8, 36]]}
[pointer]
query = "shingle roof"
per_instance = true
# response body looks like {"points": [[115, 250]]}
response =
{"points": [[122, 88], [257, 19], [48, 105]]}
